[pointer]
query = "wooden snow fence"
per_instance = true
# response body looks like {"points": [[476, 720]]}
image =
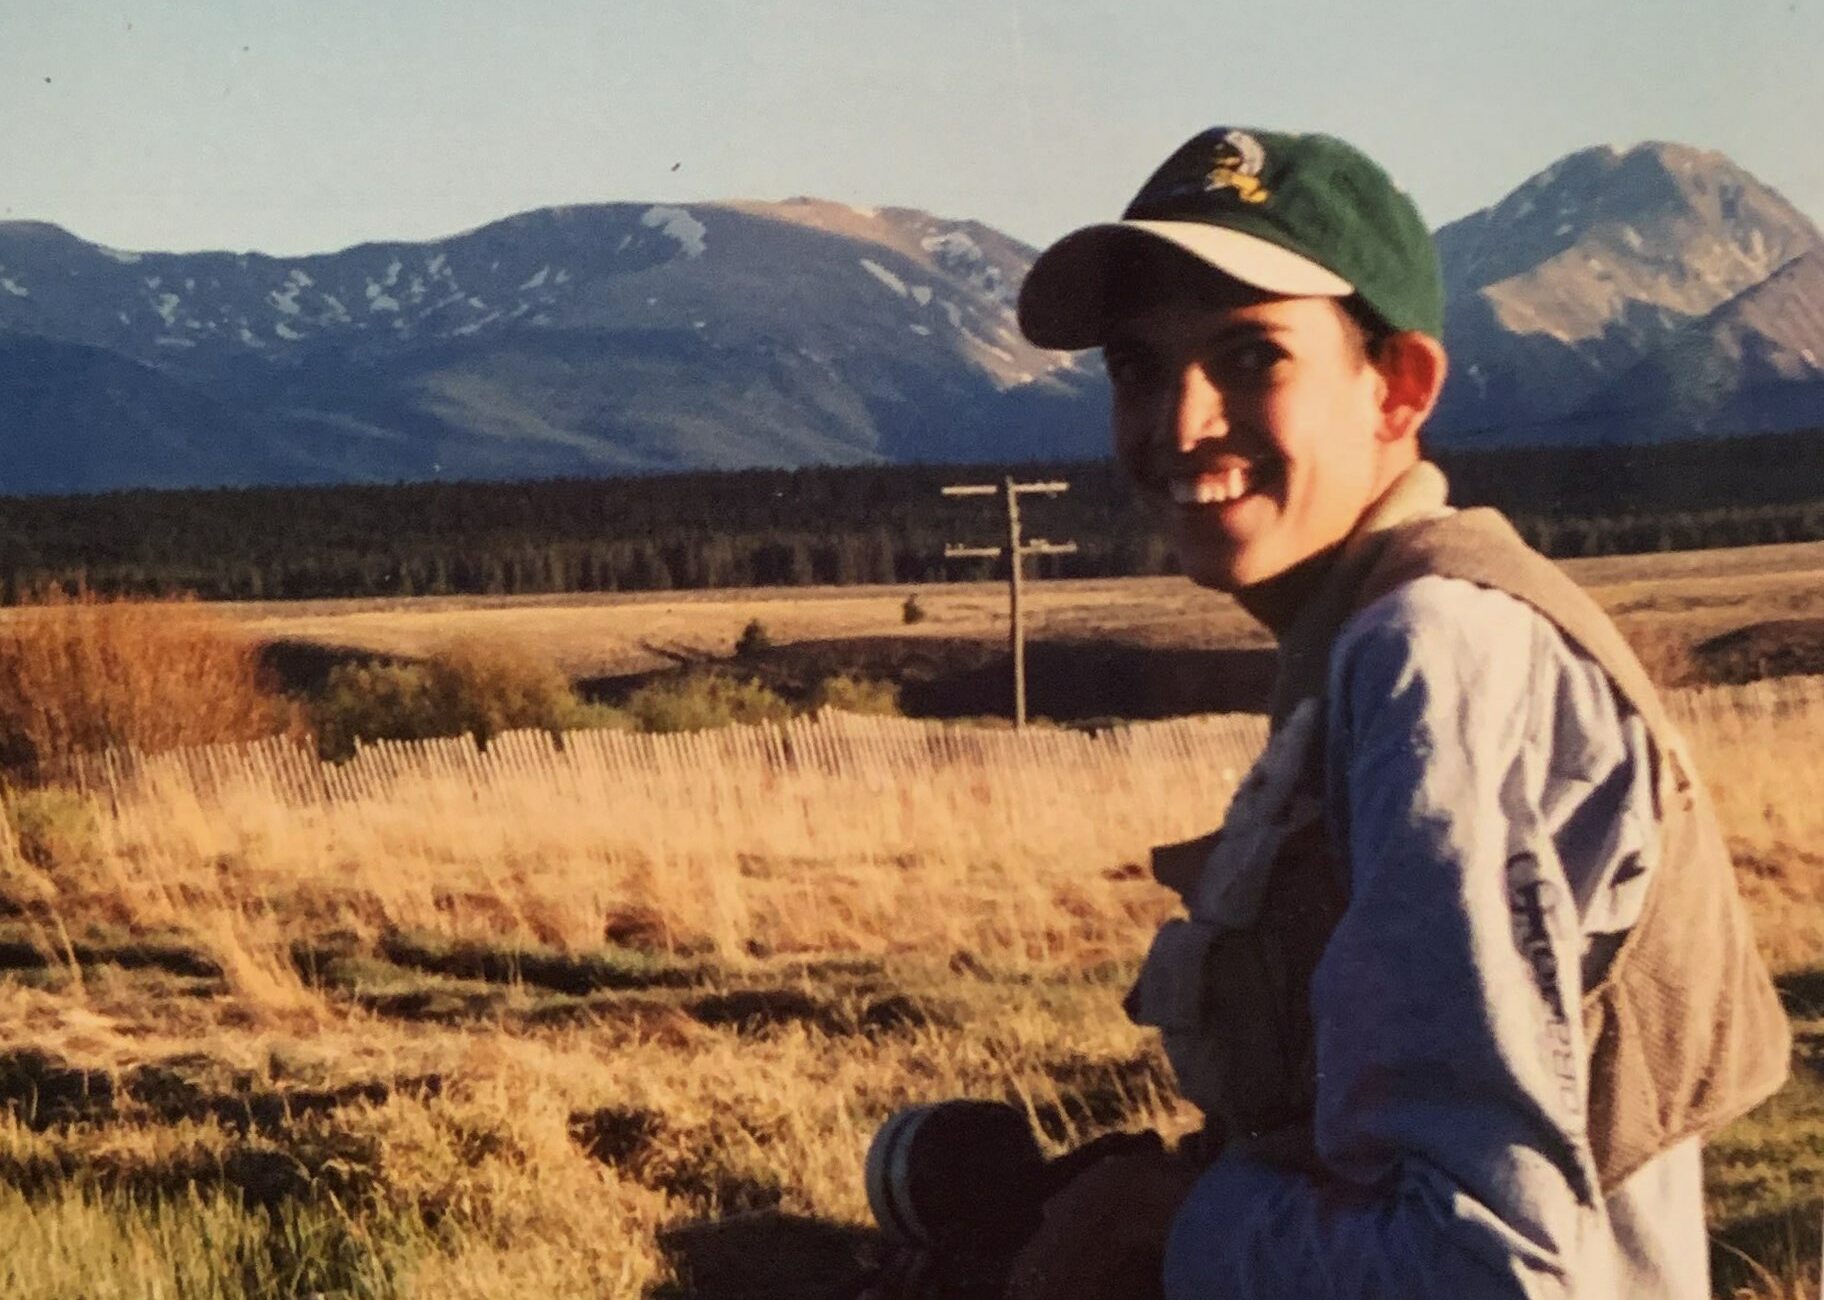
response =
{"points": [[871, 753], [861, 752]]}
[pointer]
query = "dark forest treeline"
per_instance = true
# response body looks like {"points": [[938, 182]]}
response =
{"points": [[831, 525]]}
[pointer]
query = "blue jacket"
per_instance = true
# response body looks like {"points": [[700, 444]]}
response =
{"points": [[1449, 1046]]}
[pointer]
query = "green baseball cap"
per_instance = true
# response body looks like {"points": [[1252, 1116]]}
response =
{"points": [[1295, 215]]}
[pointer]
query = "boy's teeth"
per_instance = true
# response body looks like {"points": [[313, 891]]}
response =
{"points": [[1211, 489]]}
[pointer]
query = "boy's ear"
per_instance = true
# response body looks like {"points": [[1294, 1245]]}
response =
{"points": [[1412, 367]]}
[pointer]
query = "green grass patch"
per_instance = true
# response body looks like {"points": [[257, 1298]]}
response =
{"points": [[198, 1244], [1764, 1174]]}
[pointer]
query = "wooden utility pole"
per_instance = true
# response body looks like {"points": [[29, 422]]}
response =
{"points": [[1016, 550]]}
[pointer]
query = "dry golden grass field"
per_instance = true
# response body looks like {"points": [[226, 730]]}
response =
{"points": [[1678, 597], [615, 1014]]}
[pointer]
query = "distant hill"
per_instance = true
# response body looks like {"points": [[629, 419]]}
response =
{"points": [[1638, 296], [1756, 362], [589, 340], [1574, 301], [80, 418]]}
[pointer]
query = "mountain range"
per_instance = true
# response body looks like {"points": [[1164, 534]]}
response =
{"points": [[1656, 293]]}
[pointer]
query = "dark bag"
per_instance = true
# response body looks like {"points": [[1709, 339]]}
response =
{"points": [[958, 1187]]}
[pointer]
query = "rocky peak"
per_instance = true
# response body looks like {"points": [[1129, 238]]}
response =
{"points": [[1586, 268], [1687, 216]]}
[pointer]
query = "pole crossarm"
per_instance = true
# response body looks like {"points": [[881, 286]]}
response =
{"points": [[1016, 551]]}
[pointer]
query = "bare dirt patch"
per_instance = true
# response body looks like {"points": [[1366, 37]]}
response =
{"points": [[1791, 647]]}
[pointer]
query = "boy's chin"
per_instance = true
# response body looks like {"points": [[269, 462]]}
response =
{"points": [[1226, 568], [1218, 574]]}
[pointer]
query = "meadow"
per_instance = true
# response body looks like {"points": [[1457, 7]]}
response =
{"points": [[609, 1013], [1678, 598]]}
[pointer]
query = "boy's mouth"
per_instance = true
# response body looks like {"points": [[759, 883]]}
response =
{"points": [[1227, 480]]}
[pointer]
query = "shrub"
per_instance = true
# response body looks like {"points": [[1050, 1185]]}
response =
{"points": [[754, 640], [376, 701], [480, 688], [53, 827], [83, 673], [856, 695], [592, 715], [486, 687], [912, 612], [700, 701]]}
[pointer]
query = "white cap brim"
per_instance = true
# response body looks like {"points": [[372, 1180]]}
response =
{"points": [[1064, 300]]}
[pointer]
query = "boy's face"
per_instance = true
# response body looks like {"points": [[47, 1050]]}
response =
{"points": [[1253, 424]]}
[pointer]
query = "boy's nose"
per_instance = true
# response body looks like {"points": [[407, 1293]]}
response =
{"points": [[1199, 413]]}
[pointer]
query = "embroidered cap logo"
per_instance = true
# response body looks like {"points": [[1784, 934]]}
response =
{"points": [[1239, 158]]}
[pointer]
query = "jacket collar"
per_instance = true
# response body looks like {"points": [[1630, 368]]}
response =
{"points": [[1417, 494]]}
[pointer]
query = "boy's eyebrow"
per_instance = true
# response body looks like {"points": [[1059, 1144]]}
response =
{"points": [[1121, 337], [1247, 328]]}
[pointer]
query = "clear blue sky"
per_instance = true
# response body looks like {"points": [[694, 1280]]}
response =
{"points": [[294, 126]]}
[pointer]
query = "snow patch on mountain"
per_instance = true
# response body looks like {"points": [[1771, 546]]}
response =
{"points": [[537, 281], [166, 307], [959, 254], [475, 326], [679, 225], [885, 276], [999, 353], [952, 246], [13, 287], [116, 255]]}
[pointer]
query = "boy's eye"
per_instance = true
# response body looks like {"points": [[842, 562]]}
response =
{"points": [[1252, 359], [1126, 366]]}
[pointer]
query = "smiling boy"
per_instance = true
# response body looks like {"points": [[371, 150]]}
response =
{"points": [[1464, 980]]}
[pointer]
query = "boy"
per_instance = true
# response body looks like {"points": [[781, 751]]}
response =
{"points": [[1465, 980]]}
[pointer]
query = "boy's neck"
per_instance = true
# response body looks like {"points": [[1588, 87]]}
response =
{"points": [[1277, 601]]}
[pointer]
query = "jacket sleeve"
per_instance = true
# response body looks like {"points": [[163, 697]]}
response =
{"points": [[1452, 1157]]}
